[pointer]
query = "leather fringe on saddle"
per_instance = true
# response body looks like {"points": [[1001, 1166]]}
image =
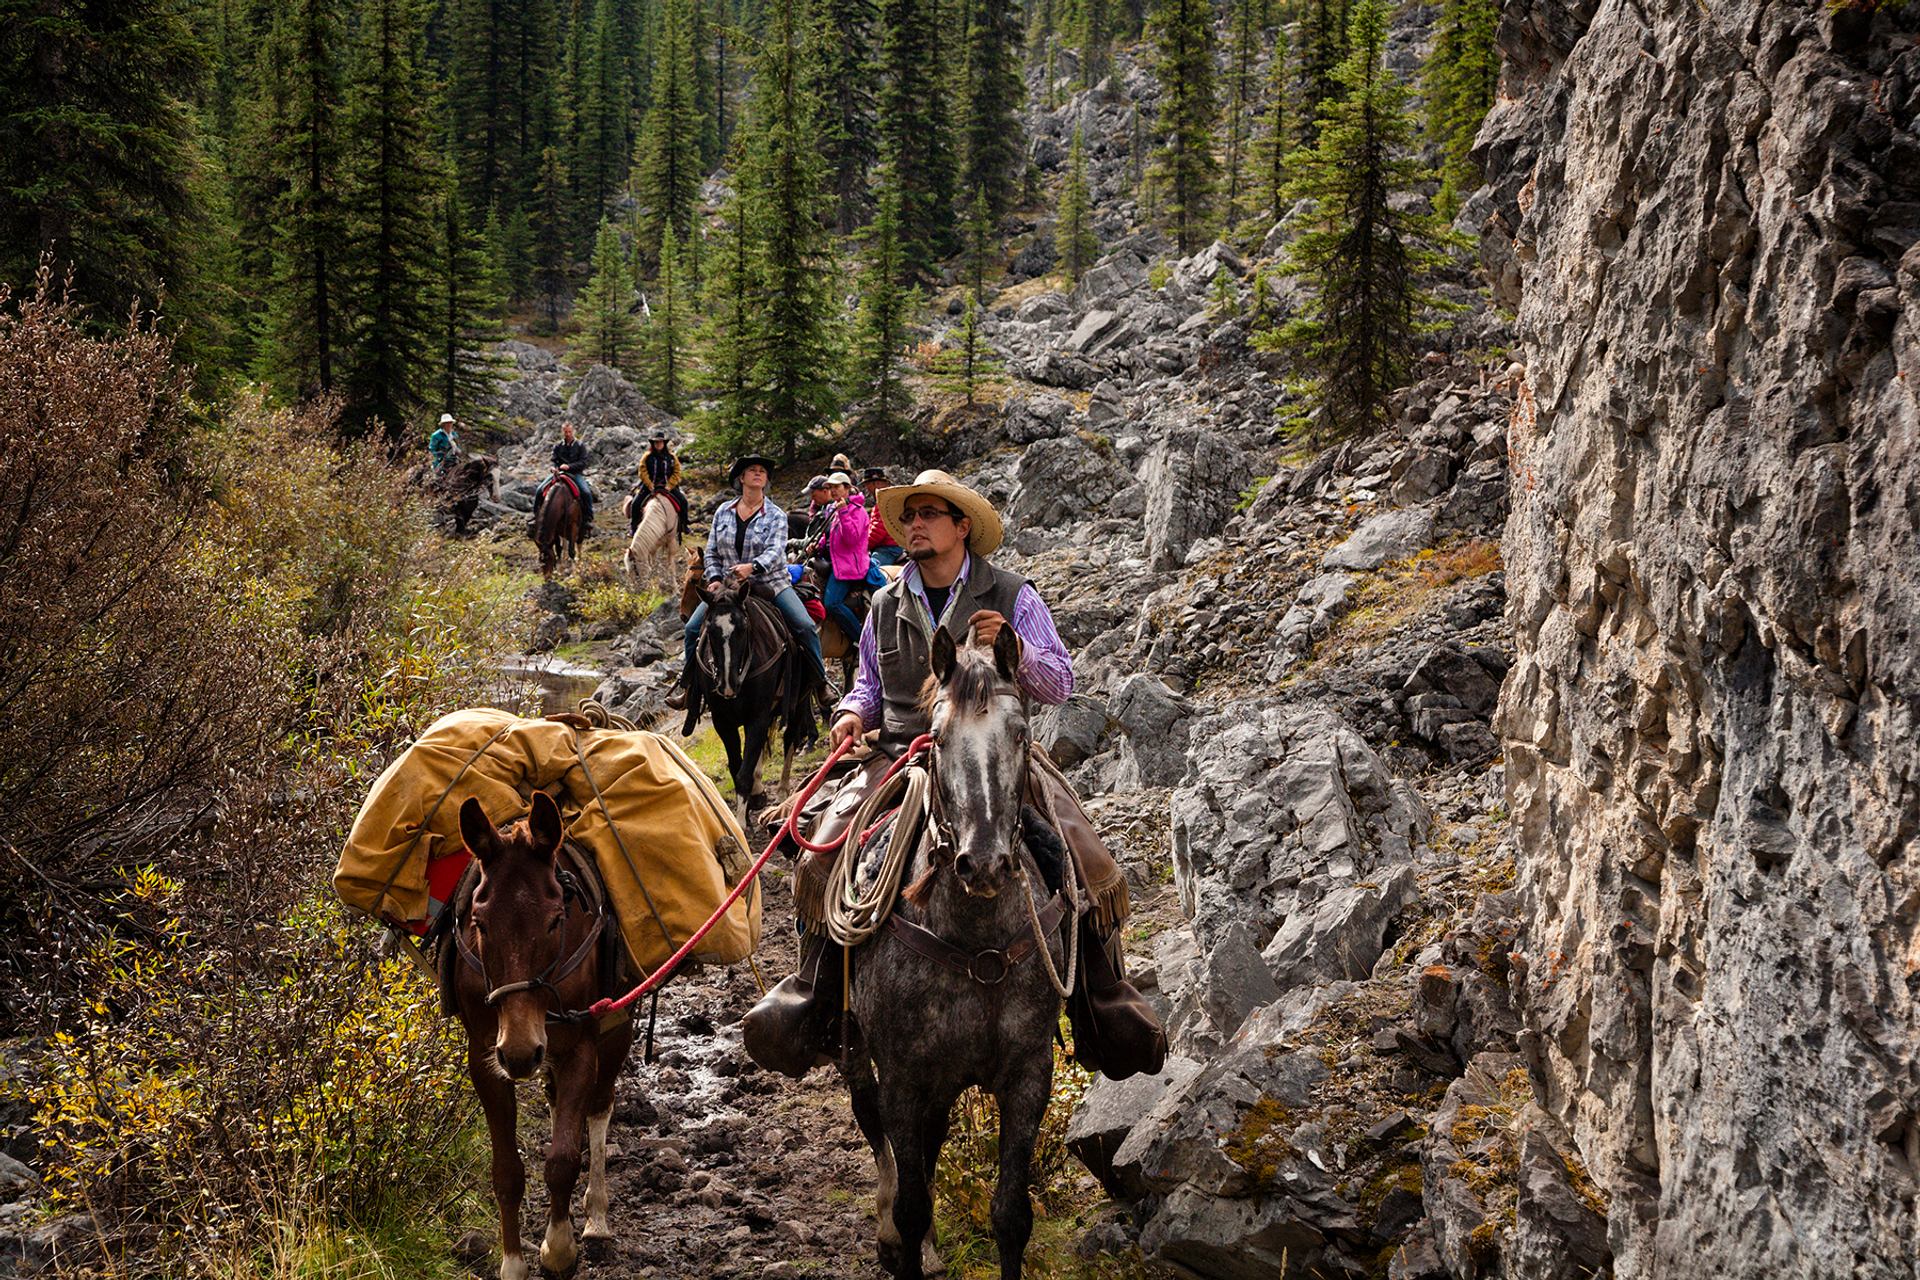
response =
{"points": [[1101, 879]]}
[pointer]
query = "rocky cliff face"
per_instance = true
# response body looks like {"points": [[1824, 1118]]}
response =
{"points": [[1708, 217]]}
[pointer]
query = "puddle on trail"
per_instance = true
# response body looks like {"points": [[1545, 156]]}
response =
{"points": [[562, 684]]}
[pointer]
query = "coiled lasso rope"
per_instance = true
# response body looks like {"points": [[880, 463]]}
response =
{"points": [[854, 914]]}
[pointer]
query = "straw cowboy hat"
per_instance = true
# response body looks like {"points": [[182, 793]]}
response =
{"points": [[983, 539]]}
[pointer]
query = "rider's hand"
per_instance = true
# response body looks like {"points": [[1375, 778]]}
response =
{"points": [[743, 571], [714, 585], [849, 725], [986, 626]]}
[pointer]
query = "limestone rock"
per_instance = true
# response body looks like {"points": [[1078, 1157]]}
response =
{"points": [[1062, 479], [1390, 535], [1192, 482], [1110, 1110], [1341, 935], [1713, 567], [1074, 731]]}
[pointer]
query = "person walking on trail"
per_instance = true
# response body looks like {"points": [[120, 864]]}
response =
{"points": [[749, 542], [846, 541], [881, 548], [570, 458], [948, 530], [443, 446], [659, 473]]}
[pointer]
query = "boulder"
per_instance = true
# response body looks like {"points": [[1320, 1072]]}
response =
{"points": [[1061, 479], [1073, 732], [1390, 535], [1110, 1110], [1280, 807], [1154, 720], [1235, 979], [1342, 934], [1192, 481], [1039, 416]]}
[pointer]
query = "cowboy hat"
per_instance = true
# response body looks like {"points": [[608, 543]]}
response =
{"points": [[658, 435], [841, 462], [983, 539], [746, 460], [873, 473]]}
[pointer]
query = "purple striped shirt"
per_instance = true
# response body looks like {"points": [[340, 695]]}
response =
{"points": [[1046, 672]]}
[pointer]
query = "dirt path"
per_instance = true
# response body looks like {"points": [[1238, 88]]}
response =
{"points": [[718, 1168]]}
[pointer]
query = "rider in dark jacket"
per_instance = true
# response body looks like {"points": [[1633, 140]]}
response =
{"points": [[659, 473], [570, 457]]}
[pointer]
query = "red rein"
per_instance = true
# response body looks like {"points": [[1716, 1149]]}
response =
{"points": [[790, 828]]}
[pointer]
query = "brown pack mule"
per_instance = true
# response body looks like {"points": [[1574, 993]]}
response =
{"points": [[533, 948]]}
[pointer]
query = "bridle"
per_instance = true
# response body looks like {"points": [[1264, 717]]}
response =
{"points": [[703, 649], [558, 970]]}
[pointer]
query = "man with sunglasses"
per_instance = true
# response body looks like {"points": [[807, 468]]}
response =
{"points": [[947, 531]]}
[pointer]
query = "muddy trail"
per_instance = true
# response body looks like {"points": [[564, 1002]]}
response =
{"points": [[715, 1167]]}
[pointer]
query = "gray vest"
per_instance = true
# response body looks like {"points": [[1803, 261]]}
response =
{"points": [[904, 635]]}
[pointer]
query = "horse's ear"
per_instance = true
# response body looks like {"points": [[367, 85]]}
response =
{"points": [[483, 842], [705, 592], [1006, 653], [543, 822], [945, 655]]}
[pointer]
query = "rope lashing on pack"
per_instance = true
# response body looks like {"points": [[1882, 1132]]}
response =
{"points": [[665, 971], [917, 746]]}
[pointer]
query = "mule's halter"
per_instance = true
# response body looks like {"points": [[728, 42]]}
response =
{"points": [[556, 972]]}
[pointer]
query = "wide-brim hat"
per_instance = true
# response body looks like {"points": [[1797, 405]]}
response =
{"points": [[873, 473], [445, 418], [982, 540], [658, 435], [746, 460]]}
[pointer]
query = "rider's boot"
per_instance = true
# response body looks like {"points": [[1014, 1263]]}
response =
{"points": [[788, 1030]]}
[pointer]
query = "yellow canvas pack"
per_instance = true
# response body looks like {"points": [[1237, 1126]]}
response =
{"points": [[666, 843]]}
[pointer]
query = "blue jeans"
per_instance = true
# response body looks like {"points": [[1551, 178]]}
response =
{"points": [[835, 598], [799, 621], [887, 555]]}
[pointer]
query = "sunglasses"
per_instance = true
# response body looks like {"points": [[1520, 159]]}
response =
{"points": [[928, 514]]}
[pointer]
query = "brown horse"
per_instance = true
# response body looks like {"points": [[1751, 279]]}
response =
{"points": [[556, 526], [534, 947]]}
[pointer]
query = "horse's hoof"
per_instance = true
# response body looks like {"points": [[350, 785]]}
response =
{"points": [[597, 1230], [514, 1268], [890, 1258], [557, 1251]]}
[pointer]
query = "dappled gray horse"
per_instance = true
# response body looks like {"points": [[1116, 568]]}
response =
{"points": [[952, 993]]}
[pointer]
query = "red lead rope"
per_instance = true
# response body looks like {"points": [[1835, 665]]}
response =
{"points": [[665, 971]]}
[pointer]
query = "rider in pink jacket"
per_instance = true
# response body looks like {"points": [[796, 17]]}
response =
{"points": [[846, 551]]}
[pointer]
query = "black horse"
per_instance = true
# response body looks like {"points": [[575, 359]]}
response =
{"points": [[752, 675], [961, 987]]}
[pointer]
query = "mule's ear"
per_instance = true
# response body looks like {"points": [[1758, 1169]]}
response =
{"points": [[701, 589], [944, 655], [1006, 653], [543, 823], [483, 842]]}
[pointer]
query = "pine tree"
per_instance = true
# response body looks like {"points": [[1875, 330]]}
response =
{"points": [[1267, 180], [991, 106], [468, 303], [1246, 19], [1322, 46], [886, 306], [1093, 33], [1363, 258], [914, 129], [98, 157], [668, 170], [1073, 235], [727, 339], [478, 120], [548, 221], [1461, 75], [666, 341], [969, 363], [1184, 166], [981, 244], [849, 122], [300, 114], [796, 344], [605, 307], [706, 85], [600, 131], [391, 194]]}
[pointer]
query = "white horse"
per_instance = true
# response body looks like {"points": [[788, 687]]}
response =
{"points": [[650, 555]]}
